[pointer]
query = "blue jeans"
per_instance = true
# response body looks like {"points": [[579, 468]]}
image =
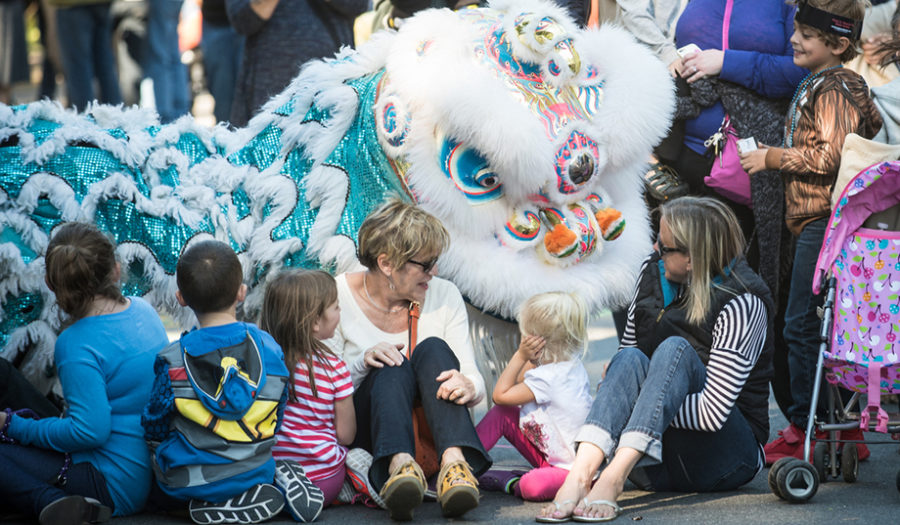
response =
{"points": [[801, 322], [162, 61], [222, 51], [85, 42], [28, 477], [384, 403], [636, 403]]}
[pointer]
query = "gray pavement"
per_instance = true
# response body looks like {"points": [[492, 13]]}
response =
{"points": [[872, 499]]}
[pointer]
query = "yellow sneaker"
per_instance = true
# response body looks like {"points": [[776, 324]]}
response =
{"points": [[457, 489], [404, 491]]}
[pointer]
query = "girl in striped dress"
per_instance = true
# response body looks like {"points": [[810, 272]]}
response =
{"points": [[301, 310]]}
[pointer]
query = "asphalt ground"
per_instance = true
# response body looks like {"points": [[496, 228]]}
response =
{"points": [[872, 499]]}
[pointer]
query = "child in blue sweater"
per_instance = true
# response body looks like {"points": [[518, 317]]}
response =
{"points": [[94, 455], [217, 400]]}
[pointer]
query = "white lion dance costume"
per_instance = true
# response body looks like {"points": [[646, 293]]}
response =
{"points": [[524, 135]]}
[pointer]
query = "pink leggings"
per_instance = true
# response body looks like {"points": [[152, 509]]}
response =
{"points": [[538, 484], [331, 486]]}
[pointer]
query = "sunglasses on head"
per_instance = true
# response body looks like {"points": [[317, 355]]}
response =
{"points": [[426, 266]]}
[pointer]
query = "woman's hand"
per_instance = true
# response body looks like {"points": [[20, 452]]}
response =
{"points": [[706, 63], [754, 161], [384, 354], [531, 348], [455, 387]]}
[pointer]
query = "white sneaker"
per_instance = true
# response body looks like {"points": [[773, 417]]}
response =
{"points": [[358, 463]]}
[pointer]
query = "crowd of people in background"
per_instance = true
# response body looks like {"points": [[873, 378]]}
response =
{"points": [[325, 401]]}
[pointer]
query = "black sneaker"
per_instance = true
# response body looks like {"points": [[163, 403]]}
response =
{"points": [[74, 510], [255, 505], [302, 497]]}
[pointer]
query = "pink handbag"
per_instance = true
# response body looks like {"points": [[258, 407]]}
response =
{"points": [[727, 177]]}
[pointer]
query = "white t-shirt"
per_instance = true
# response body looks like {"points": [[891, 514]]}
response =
{"points": [[562, 399], [443, 315]]}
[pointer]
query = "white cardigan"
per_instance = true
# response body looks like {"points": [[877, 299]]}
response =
{"points": [[443, 315]]}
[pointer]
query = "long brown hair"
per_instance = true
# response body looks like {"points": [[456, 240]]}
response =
{"points": [[80, 266], [294, 301]]}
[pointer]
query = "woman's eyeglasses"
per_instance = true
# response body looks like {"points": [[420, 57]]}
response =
{"points": [[426, 266], [665, 250]]}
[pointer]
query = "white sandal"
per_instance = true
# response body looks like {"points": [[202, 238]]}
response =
{"points": [[551, 519], [589, 519]]}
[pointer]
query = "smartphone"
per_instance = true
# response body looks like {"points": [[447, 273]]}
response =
{"points": [[687, 50], [747, 145]]}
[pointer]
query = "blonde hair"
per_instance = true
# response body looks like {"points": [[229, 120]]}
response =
{"points": [[561, 319], [708, 232], [294, 301], [400, 231]]}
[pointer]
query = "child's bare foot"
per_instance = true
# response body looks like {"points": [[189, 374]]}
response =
{"points": [[560, 509], [600, 503]]}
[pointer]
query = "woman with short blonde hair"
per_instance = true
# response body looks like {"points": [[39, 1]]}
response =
{"points": [[399, 245]]}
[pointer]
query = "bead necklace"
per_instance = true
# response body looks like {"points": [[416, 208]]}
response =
{"points": [[802, 87], [392, 310]]}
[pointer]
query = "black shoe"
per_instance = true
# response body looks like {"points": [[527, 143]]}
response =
{"points": [[302, 497], [258, 504], [74, 510]]}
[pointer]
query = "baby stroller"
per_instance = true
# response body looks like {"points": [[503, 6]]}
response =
{"points": [[859, 337]]}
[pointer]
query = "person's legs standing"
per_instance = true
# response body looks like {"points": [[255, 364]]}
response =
{"points": [[801, 335], [163, 60], [75, 27], [222, 49], [104, 63]]}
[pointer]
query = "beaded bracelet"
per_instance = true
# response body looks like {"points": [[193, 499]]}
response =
{"points": [[22, 412], [4, 437]]}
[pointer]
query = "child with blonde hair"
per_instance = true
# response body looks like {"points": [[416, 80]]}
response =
{"points": [[542, 397], [301, 310]]}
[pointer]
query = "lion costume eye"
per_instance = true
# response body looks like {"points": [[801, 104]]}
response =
{"points": [[486, 178], [469, 171], [576, 162]]}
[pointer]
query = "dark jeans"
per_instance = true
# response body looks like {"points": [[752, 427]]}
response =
{"points": [[384, 403], [16, 392], [222, 49], [28, 479], [85, 41], [802, 323], [634, 408], [162, 61]]}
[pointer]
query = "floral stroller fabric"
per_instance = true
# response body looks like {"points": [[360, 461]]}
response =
{"points": [[863, 352]]}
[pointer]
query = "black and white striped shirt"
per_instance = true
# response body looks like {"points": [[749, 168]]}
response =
{"points": [[739, 336]]}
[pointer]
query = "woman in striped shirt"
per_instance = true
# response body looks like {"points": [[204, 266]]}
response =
{"points": [[696, 346]]}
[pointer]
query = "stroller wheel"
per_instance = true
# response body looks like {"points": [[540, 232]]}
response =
{"points": [[850, 462], [773, 476], [820, 461], [797, 481]]}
